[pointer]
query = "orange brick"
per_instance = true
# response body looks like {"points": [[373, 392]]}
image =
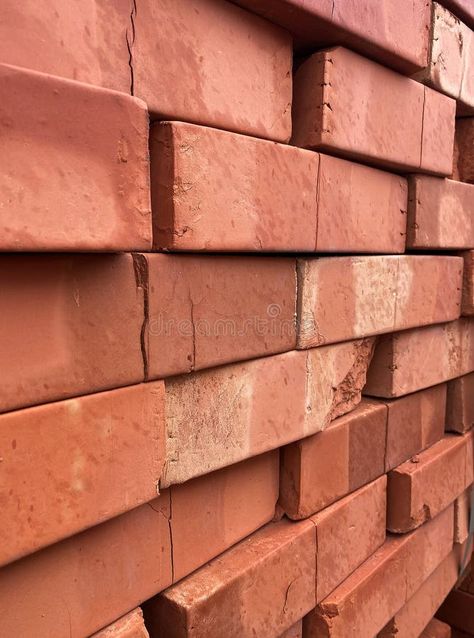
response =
{"points": [[440, 213], [422, 487], [334, 111], [260, 587], [392, 32], [375, 591], [214, 64], [458, 611], [318, 470], [467, 303], [101, 573], [244, 409], [463, 168], [414, 359], [204, 311], [295, 631], [462, 516], [74, 171], [71, 325], [342, 206], [342, 298], [460, 404], [114, 444], [129, 626]]}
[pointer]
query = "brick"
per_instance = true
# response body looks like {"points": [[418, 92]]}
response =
{"points": [[260, 587], [205, 311], [295, 631], [414, 423], [422, 487], [347, 533], [129, 626], [451, 59], [109, 569], [467, 301], [460, 404], [461, 517], [414, 127], [114, 443], [342, 206], [245, 409], [392, 33], [375, 591], [69, 39], [214, 64], [320, 469], [342, 298], [458, 611], [415, 359], [415, 618], [440, 213], [75, 169], [463, 166], [71, 325], [463, 9]]}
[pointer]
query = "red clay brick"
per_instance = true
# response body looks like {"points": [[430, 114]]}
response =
{"points": [[414, 423], [395, 33], [342, 298], [205, 311], [422, 487], [261, 587], [333, 110], [83, 40], [114, 444], [342, 206], [458, 611], [295, 631], [467, 301], [318, 470], [460, 404], [375, 591], [347, 533], [75, 169], [463, 166], [244, 409], [440, 213], [450, 66], [213, 64], [71, 325], [463, 9], [415, 618], [414, 359], [461, 516], [129, 626], [85, 582]]}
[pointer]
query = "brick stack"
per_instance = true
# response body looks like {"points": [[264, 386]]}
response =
{"points": [[237, 343]]}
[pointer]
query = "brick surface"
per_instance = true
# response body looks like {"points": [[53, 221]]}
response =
{"points": [[393, 33], [296, 631], [463, 9], [129, 626], [111, 568], [467, 301], [70, 325], [87, 191], [374, 592], [349, 297], [458, 611], [342, 206], [214, 64], [460, 404], [320, 469], [440, 213], [414, 128], [461, 516], [114, 445], [262, 586], [425, 485], [244, 409], [463, 165], [414, 359], [205, 311], [347, 533], [415, 618], [451, 59]]}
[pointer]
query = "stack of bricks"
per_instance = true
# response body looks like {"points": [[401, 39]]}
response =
{"points": [[237, 310]]}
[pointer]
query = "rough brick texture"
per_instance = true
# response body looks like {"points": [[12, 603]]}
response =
{"points": [[129, 626], [463, 9], [333, 110], [436, 629], [463, 167], [467, 301], [460, 404]]}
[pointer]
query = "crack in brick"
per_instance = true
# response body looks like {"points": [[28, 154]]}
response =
{"points": [[140, 265], [130, 39]]}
